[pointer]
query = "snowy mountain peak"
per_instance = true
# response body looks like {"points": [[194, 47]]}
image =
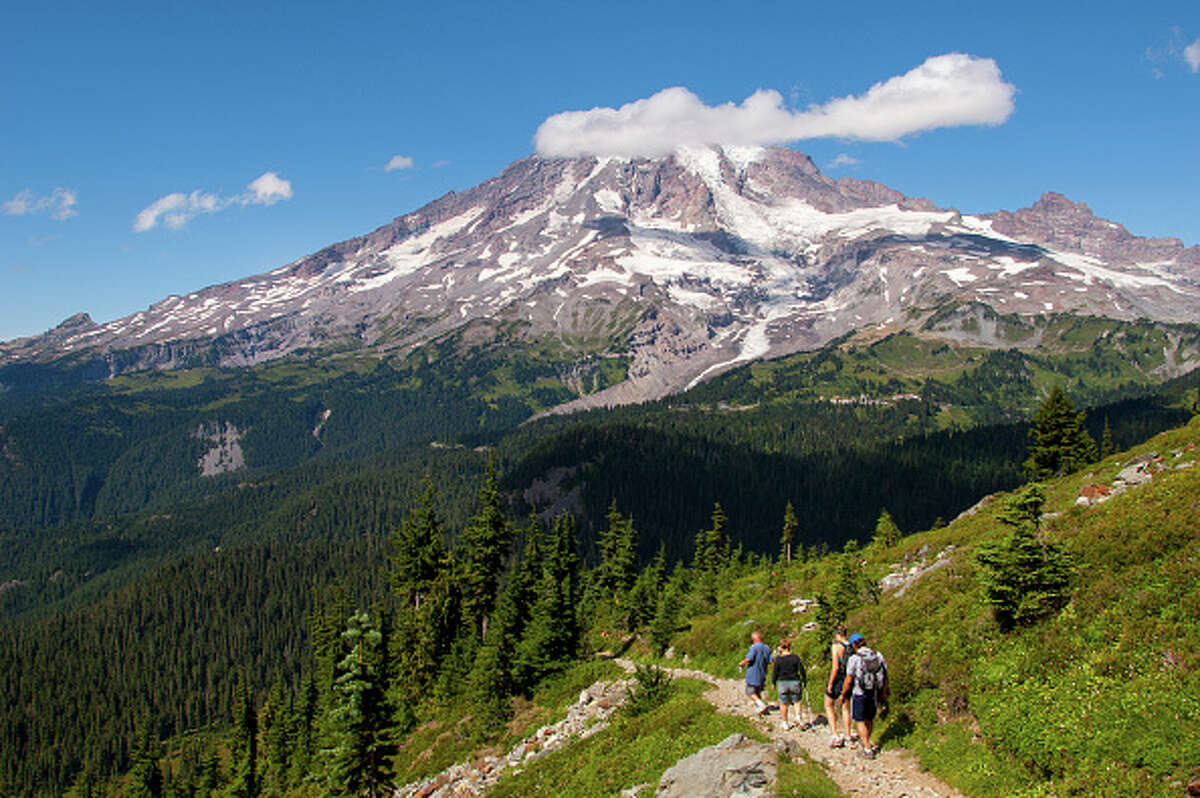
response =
{"points": [[689, 264]]}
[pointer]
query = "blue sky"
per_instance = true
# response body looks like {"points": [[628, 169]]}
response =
{"points": [[278, 121]]}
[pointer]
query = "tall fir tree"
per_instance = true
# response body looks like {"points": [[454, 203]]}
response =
{"points": [[492, 678], [243, 744], [551, 636], [1107, 447], [712, 544], [887, 533], [145, 777], [789, 533], [483, 547], [845, 593], [1059, 443], [618, 553], [277, 723], [643, 597], [357, 746], [666, 613], [307, 717], [417, 548]]}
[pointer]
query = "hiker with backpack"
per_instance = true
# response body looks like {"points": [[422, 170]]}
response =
{"points": [[839, 655], [867, 684], [789, 677], [756, 662]]}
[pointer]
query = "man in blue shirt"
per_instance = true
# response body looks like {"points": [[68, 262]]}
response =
{"points": [[756, 662]]}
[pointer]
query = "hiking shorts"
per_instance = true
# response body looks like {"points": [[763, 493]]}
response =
{"points": [[862, 707], [789, 691], [753, 689], [838, 681]]}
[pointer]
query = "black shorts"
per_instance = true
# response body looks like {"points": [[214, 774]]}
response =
{"points": [[862, 707], [838, 681]]}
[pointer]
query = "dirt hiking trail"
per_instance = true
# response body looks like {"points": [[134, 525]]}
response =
{"points": [[894, 773]]}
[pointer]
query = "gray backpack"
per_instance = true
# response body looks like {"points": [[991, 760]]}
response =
{"points": [[871, 677]]}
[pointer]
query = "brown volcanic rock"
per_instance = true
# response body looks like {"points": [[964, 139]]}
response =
{"points": [[1058, 222]]}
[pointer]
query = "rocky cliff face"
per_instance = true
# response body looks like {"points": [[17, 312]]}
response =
{"points": [[689, 264]]}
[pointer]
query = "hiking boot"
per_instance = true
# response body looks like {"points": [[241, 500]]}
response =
{"points": [[837, 742], [869, 753]]}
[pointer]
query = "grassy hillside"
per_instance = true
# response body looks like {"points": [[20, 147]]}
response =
{"points": [[1100, 698]]}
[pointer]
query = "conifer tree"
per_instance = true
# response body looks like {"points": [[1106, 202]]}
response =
{"points": [[306, 731], [1106, 441], [145, 777], [845, 593], [210, 776], [357, 747], [1059, 443], [484, 545], [1024, 577], [277, 722], [84, 786], [417, 548], [426, 639], [643, 597], [551, 636], [712, 544], [492, 678], [243, 746], [618, 553], [789, 532], [666, 614], [887, 534]]}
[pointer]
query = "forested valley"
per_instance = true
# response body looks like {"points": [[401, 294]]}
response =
{"points": [[399, 542]]}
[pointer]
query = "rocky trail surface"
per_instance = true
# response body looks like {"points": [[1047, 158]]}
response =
{"points": [[894, 773]]}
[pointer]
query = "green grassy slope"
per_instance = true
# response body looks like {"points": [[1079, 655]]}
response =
{"points": [[1102, 698]]}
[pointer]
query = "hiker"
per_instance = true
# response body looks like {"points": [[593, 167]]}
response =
{"points": [[756, 662], [789, 677], [839, 655], [866, 675]]}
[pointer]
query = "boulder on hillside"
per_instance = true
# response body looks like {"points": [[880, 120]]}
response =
{"points": [[735, 766]]}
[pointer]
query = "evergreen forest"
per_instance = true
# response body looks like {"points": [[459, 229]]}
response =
{"points": [[412, 540]]}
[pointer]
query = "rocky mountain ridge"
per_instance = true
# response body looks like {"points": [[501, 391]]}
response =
{"points": [[688, 265]]}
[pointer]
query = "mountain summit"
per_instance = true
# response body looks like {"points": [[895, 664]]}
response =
{"points": [[687, 264]]}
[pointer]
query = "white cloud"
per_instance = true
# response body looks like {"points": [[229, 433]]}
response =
{"points": [[60, 203], [267, 189], [1191, 54], [177, 209], [398, 162], [842, 160], [945, 91]]}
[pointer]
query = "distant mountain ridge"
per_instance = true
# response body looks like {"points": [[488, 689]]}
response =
{"points": [[687, 265]]}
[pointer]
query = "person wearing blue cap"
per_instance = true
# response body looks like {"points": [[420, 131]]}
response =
{"points": [[866, 677]]}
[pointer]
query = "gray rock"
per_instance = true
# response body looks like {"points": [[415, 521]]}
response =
{"points": [[735, 766]]}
